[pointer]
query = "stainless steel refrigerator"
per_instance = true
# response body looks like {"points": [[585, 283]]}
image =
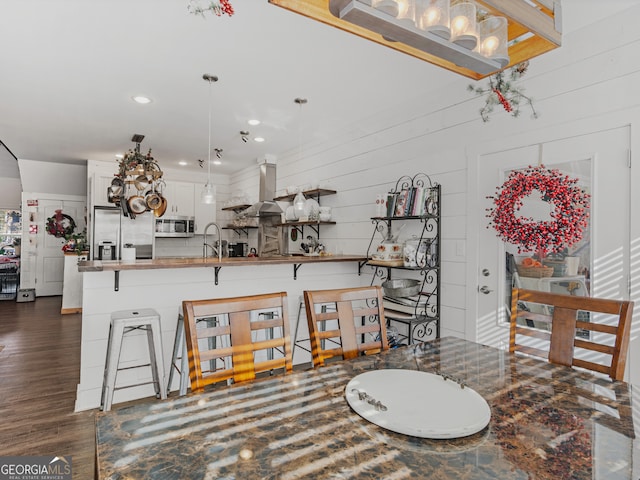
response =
{"points": [[110, 227]]}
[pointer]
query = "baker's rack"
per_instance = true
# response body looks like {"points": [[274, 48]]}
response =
{"points": [[422, 317]]}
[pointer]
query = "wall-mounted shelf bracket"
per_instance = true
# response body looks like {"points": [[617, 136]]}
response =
{"points": [[360, 265], [296, 266], [116, 281], [216, 271]]}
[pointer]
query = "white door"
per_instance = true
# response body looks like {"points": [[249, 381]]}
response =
{"points": [[607, 152], [49, 256]]}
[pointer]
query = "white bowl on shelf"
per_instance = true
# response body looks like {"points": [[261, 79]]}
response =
{"points": [[290, 214], [311, 208]]}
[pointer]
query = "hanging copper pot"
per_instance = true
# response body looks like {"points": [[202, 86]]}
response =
{"points": [[152, 199], [141, 182], [137, 204], [159, 211]]}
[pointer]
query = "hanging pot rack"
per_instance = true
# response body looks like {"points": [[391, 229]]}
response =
{"points": [[140, 171]]}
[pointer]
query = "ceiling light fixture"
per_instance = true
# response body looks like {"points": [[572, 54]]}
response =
{"points": [[244, 136], [258, 139], [253, 122], [299, 200], [218, 152], [182, 163], [447, 32], [435, 27], [141, 99], [208, 194]]}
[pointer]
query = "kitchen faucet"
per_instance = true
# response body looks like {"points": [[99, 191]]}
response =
{"points": [[218, 250]]}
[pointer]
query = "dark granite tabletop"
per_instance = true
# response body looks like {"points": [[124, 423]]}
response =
{"points": [[547, 422]]}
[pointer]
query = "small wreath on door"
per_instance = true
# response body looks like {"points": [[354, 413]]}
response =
{"points": [[60, 225], [570, 210]]}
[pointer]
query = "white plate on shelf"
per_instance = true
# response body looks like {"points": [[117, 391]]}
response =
{"points": [[419, 404]]}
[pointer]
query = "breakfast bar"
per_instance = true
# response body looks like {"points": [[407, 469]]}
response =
{"points": [[164, 283]]}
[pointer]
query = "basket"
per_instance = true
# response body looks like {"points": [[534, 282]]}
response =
{"points": [[534, 272]]}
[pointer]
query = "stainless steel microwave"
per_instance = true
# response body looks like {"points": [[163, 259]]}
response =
{"points": [[175, 226]]}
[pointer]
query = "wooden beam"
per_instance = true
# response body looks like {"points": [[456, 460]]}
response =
{"points": [[518, 11]]}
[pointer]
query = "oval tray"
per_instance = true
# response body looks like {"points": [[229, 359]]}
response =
{"points": [[419, 404]]}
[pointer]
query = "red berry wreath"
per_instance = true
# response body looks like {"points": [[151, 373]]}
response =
{"points": [[570, 214]]}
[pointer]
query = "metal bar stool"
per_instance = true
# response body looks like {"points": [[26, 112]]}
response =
{"points": [[123, 322], [180, 359], [296, 342]]}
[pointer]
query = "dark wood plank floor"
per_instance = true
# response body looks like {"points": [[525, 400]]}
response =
{"points": [[39, 372]]}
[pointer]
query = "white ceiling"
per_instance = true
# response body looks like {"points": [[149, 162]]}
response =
{"points": [[70, 67]]}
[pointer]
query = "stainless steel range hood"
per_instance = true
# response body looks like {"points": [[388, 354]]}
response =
{"points": [[272, 238], [265, 205]]}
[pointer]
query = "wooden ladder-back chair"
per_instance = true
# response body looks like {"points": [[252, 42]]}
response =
{"points": [[356, 324], [585, 332], [250, 336]]}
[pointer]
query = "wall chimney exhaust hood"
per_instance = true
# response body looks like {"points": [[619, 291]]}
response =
{"points": [[265, 205], [532, 28]]}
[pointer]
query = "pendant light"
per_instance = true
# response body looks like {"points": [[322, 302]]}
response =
{"points": [[299, 201], [208, 194]]}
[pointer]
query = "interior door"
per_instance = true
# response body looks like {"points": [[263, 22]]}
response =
{"points": [[607, 151], [49, 256]]}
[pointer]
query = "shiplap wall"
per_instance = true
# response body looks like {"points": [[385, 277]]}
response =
{"points": [[440, 133]]}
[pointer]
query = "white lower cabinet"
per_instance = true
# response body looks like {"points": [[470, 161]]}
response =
{"points": [[72, 284]]}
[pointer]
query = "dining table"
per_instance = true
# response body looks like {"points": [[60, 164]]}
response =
{"points": [[546, 422]]}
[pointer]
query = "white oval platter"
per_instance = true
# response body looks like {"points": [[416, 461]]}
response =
{"points": [[420, 404]]}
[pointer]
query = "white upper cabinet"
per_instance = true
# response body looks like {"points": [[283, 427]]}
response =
{"points": [[100, 175], [180, 198]]}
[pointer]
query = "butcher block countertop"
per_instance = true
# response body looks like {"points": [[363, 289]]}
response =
{"points": [[199, 262]]}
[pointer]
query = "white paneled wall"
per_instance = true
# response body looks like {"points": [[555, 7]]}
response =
{"points": [[594, 74]]}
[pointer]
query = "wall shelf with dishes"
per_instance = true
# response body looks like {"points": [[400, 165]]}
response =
{"points": [[413, 302], [309, 213], [239, 224]]}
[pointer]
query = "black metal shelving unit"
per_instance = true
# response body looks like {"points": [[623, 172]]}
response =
{"points": [[420, 314]]}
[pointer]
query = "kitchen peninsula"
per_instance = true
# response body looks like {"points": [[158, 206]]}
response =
{"points": [[163, 283]]}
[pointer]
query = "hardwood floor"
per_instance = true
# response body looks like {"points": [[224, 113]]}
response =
{"points": [[39, 372]]}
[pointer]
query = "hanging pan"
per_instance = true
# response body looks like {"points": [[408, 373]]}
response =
{"points": [[159, 211], [152, 199], [137, 204], [124, 206], [141, 182]]}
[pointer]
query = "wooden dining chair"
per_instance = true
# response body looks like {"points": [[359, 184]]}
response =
{"points": [[345, 322], [251, 336], [585, 332]]}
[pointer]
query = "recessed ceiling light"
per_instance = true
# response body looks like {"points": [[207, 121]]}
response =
{"points": [[119, 156], [141, 99], [217, 162], [254, 122], [259, 139], [182, 162]]}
